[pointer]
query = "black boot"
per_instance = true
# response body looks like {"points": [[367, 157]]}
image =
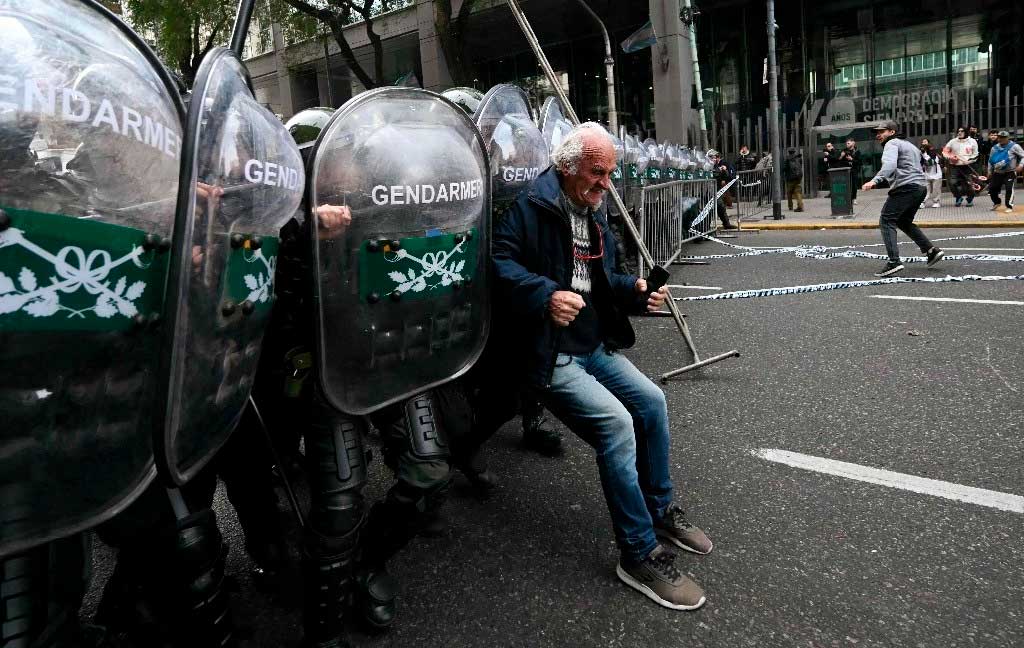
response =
{"points": [[327, 567], [536, 436], [376, 590]]}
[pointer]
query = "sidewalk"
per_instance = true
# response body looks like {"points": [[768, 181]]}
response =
{"points": [[817, 214]]}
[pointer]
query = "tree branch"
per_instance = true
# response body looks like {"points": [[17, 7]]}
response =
{"points": [[334, 23]]}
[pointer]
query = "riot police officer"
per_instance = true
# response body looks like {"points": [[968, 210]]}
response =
{"points": [[82, 266], [391, 304]]}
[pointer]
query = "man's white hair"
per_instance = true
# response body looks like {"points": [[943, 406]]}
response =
{"points": [[569, 152]]}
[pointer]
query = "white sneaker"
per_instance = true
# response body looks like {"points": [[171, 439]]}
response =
{"points": [[1009, 210], [922, 206], [935, 205]]}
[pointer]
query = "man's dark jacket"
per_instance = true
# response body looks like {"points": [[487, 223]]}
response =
{"points": [[746, 162], [532, 254]]}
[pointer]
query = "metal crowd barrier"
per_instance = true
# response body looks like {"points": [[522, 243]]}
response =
{"points": [[667, 212], [753, 194]]}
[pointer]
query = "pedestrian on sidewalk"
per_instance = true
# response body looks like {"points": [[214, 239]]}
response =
{"points": [[1004, 163], [962, 152], [794, 170], [851, 157], [931, 164], [985, 146], [901, 170], [826, 160]]}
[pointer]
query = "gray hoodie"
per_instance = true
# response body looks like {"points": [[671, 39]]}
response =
{"points": [[901, 164]]}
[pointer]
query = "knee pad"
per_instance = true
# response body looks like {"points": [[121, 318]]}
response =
{"points": [[43, 590], [427, 439], [337, 473]]}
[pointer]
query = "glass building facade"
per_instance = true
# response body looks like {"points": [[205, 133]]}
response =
{"points": [[931, 65]]}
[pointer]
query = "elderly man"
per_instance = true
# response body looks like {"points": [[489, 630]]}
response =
{"points": [[555, 266]]}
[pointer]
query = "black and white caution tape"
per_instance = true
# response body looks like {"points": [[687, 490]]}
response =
{"points": [[826, 252], [797, 290], [708, 207]]}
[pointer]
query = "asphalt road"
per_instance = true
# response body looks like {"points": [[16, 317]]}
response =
{"points": [[802, 558]]}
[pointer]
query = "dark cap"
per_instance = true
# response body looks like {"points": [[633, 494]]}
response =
{"points": [[887, 125], [1003, 134]]}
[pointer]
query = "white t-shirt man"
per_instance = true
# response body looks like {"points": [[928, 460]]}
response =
{"points": [[961, 151]]}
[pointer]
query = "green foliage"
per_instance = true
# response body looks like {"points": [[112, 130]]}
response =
{"points": [[182, 31]]}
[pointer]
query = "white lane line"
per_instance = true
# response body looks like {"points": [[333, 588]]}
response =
{"points": [[974, 249], [952, 299], [923, 485], [673, 287]]}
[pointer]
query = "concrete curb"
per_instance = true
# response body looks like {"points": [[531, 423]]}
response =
{"points": [[852, 225]]}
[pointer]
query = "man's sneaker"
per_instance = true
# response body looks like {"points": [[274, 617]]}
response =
{"points": [[922, 206], [959, 202], [934, 256], [935, 205], [1008, 210], [995, 207], [890, 268], [658, 578], [970, 202], [674, 526]]}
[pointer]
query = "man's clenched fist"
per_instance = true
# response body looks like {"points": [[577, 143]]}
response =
{"points": [[564, 306]]}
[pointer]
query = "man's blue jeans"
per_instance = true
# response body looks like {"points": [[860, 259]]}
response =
{"points": [[619, 412]]}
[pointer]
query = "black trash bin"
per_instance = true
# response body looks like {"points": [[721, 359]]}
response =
{"points": [[839, 181]]}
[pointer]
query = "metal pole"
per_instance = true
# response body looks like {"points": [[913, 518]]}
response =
{"points": [[282, 470], [531, 38], [773, 93], [330, 78], [690, 21], [241, 28], [609, 67]]}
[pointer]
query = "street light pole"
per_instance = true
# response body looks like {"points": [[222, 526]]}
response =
{"points": [[609, 66], [690, 19], [773, 124]]}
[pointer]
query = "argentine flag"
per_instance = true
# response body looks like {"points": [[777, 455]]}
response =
{"points": [[640, 39]]}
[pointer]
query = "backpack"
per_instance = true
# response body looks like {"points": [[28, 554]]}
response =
{"points": [[794, 168], [999, 160]]}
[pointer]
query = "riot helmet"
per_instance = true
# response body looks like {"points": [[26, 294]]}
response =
{"points": [[466, 98], [305, 127]]}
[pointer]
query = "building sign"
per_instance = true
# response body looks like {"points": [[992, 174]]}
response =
{"points": [[918, 106]]}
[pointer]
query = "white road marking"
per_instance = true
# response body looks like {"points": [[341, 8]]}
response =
{"points": [[674, 287], [974, 249], [951, 299], [923, 485]]}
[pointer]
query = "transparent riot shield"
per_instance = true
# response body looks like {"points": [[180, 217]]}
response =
{"points": [[90, 140], [514, 144], [553, 123], [242, 179], [466, 98], [673, 161], [656, 161], [687, 163], [402, 278]]}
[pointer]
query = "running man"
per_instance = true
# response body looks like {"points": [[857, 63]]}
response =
{"points": [[901, 169]]}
